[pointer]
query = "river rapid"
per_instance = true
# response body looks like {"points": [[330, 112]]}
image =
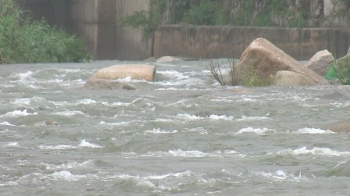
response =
{"points": [[183, 134]]}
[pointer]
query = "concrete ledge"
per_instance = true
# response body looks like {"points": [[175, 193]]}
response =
{"points": [[228, 41]]}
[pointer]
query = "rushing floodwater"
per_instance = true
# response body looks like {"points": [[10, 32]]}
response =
{"points": [[182, 135]]}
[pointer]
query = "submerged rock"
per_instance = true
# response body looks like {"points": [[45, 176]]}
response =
{"points": [[46, 123], [99, 84], [340, 127]]}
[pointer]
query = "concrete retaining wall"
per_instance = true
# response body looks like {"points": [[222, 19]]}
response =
{"points": [[228, 41], [97, 22], [130, 42]]}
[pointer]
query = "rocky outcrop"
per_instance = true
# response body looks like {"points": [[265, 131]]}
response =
{"points": [[321, 62], [289, 78], [264, 60], [98, 84], [134, 71]]}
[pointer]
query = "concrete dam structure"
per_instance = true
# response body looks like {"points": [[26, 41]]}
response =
{"points": [[97, 22]]}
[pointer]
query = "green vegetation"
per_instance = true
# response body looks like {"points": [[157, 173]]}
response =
{"points": [[224, 12], [23, 40], [148, 22], [342, 70]]}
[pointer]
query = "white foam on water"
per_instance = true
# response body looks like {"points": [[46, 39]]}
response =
{"points": [[183, 104], [258, 131], [61, 103], [69, 70], [247, 99], [25, 102], [146, 181], [159, 131], [7, 124], [172, 74], [280, 175], [9, 183], [314, 151], [114, 124], [199, 154], [340, 105], [170, 175], [22, 75], [21, 102], [17, 113], [116, 104], [222, 117], [166, 120], [178, 153], [57, 147], [145, 184], [189, 117], [252, 118], [12, 144], [84, 143], [69, 165], [7, 131], [8, 85], [176, 89], [307, 130], [54, 81], [65, 175], [69, 113], [226, 100], [200, 130], [86, 102]]}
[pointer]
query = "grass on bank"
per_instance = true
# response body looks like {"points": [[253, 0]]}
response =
{"points": [[23, 40]]}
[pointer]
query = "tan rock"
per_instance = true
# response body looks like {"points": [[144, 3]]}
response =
{"points": [[134, 71], [98, 84], [265, 60], [340, 127], [167, 59], [321, 62], [289, 78]]}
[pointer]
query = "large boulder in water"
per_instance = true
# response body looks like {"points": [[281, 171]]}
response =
{"points": [[289, 78], [321, 62], [134, 71], [98, 84], [264, 60]]}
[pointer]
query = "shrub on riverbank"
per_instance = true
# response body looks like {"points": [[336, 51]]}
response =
{"points": [[226, 74], [342, 70], [23, 40]]}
